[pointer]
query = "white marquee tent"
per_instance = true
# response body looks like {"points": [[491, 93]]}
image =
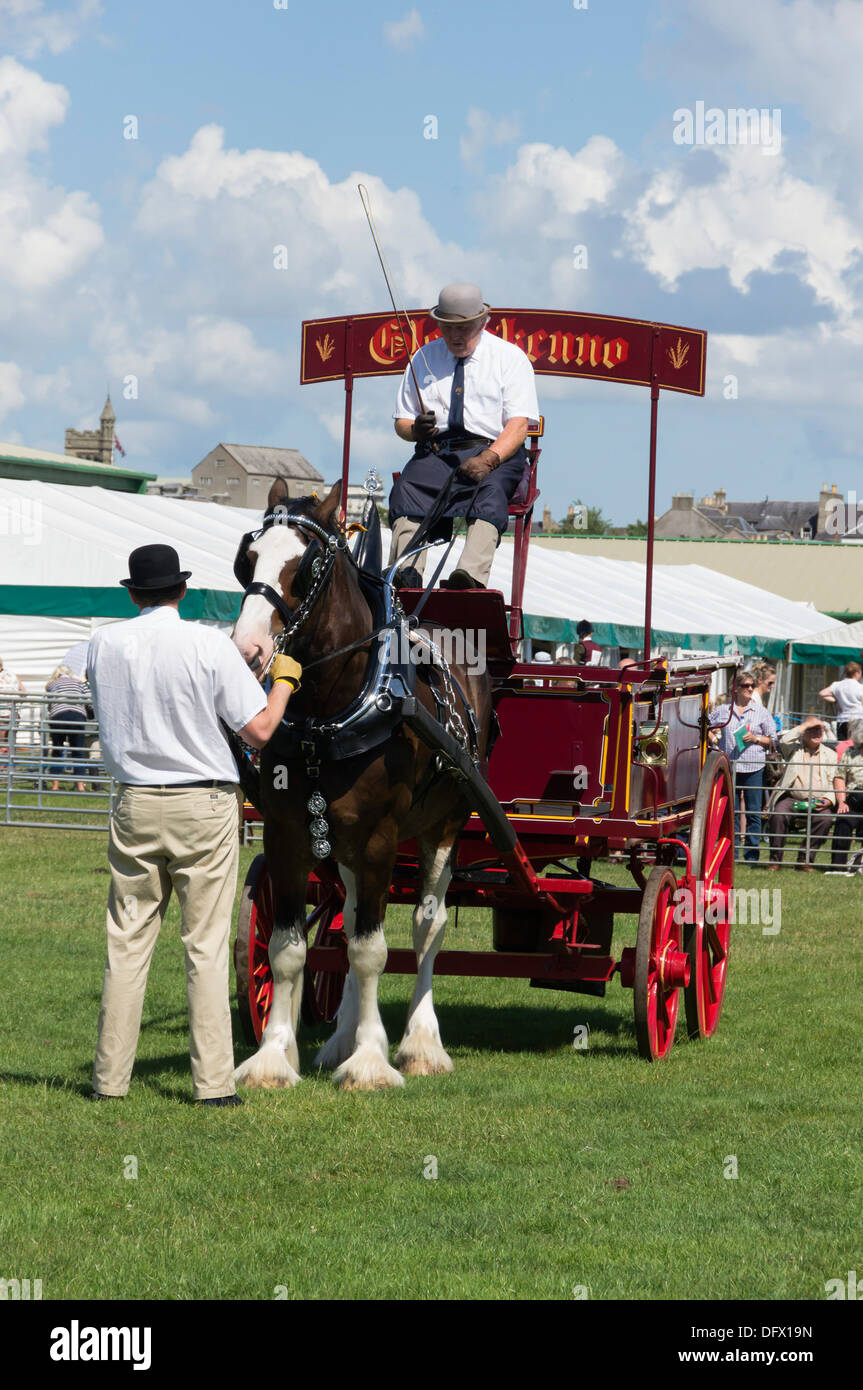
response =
{"points": [[64, 549]]}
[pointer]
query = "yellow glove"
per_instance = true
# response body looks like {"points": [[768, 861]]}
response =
{"points": [[284, 668]]}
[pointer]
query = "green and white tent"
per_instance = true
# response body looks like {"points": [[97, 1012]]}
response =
{"points": [[64, 549]]}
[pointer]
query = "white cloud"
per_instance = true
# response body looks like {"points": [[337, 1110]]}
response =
{"points": [[752, 214], [547, 187], [28, 27], [46, 234], [482, 131], [405, 33]]}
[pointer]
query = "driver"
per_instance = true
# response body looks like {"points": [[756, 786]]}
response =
{"points": [[480, 399]]}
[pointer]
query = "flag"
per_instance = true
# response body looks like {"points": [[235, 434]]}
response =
{"points": [[118, 446]]}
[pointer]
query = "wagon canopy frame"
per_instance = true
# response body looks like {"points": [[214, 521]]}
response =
{"points": [[634, 352]]}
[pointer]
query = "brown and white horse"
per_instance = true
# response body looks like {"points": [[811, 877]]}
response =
{"points": [[371, 808]]}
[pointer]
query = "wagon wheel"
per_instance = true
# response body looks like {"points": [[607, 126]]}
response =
{"points": [[251, 957], [661, 966], [712, 856], [322, 991]]}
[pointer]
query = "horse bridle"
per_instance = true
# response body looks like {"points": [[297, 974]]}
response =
{"points": [[315, 568]]}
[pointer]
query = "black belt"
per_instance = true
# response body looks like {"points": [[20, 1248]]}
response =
{"points": [[175, 786], [448, 442]]}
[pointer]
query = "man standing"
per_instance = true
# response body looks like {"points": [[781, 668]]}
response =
{"points": [[479, 394], [160, 687]]}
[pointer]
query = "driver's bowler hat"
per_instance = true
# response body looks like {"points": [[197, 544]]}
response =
{"points": [[460, 304], [154, 567]]}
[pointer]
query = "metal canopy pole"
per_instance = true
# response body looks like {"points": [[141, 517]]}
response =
{"points": [[651, 493], [349, 396]]}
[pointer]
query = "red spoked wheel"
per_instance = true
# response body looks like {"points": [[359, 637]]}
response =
{"points": [[251, 951], [661, 966], [322, 990], [708, 932]]}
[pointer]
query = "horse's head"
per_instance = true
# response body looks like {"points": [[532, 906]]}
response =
{"points": [[281, 556]]}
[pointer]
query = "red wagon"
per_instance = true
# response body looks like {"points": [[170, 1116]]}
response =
{"points": [[590, 761]]}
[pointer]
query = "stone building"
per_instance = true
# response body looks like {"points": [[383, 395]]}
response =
{"points": [[240, 475], [715, 518], [96, 445]]}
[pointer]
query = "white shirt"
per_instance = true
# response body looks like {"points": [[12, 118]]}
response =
{"points": [[160, 686], [499, 385], [849, 697]]}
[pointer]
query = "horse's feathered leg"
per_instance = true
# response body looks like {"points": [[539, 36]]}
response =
{"points": [[277, 1059], [367, 1068], [421, 1052], [341, 1044]]}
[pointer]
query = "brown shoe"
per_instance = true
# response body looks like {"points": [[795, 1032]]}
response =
{"points": [[805, 868], [773, 868], [460, 579]]}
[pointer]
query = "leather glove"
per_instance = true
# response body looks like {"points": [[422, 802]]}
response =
{"points": [[477, 468], [425, 426], [284, 668]]}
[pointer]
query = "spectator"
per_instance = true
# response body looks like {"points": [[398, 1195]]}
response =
{"points": [[847, 696], [765, 679], [745, 736], [10, 684], [848, 824], [592, 651], [66, 718], [810, 779]]}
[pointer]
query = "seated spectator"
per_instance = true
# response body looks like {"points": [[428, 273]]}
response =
{"points": [[810, 778], [848, 824], [67, 715], [746, 735], [10, 685], [847, 696]]}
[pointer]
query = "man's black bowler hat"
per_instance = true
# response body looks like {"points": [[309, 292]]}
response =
{"points": [[154, 567]]}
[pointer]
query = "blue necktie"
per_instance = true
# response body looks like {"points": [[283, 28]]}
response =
{"points": [[456, 400]]}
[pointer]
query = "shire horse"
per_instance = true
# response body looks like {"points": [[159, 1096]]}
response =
{"points": [[374, 801]]}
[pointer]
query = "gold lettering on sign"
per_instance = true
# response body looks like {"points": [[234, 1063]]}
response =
{"points": [[325, 348], [678, 355]]}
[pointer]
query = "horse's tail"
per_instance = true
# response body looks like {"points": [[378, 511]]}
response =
{"points": [[250, 777]]}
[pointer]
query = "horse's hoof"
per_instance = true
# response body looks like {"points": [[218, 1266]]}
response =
{"points": [[422, 1055], [268, 1070], [334, 1051], [367, 1070]]}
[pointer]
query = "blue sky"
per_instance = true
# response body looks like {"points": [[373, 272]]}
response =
{"points": [[153, 257]]}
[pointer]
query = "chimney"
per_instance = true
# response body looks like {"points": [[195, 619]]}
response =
{"points": [[546, 519], [831, 513], [682, 502], [719, 499]]}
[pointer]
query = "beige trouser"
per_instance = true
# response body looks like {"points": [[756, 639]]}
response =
{"points": [[479, 547], [185, 838]]}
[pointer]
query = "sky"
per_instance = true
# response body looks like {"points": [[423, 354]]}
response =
{"points": [[146, 264]]}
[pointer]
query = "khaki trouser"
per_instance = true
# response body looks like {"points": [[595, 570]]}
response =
{"points": [[186, 839], [479, 547]]}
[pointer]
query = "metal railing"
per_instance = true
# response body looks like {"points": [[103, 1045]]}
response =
{"points": [[31, 762], [792, 821]]}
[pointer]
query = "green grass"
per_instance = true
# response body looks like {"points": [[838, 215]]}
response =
{"points": [[556, 1167]]}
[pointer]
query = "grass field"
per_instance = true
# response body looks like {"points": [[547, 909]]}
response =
{"points": [[557, 1169]]}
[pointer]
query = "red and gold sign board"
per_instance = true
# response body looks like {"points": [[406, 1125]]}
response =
{"points": [[558, 344]]}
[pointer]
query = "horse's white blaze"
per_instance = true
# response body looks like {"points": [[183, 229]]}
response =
{"points": [[367, 1068], [276, 1062], [421, 1052], [273, 549]]}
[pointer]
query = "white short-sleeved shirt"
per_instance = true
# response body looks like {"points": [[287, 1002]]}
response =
{"points": [[499, 385], [160, 686], [849, 697]]}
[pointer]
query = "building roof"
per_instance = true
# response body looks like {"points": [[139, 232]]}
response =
{"points": [[17, 461], [272, 461]]}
